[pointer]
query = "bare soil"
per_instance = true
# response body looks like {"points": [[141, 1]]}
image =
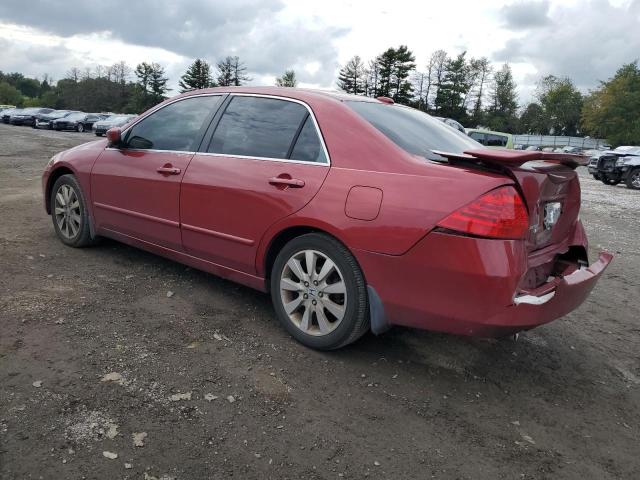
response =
{"points": [[94, 350]]}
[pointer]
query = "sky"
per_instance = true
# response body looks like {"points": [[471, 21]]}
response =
{"points": [[587, 40]]}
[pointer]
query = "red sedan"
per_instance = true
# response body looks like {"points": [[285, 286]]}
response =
{"points": [[355, 213]]}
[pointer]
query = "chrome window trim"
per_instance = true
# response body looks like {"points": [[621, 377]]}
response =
{"points": [[266, 159], [247, 157]]}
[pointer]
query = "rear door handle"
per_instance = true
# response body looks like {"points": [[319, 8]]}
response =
{"points": [[288, 182], [168, 170]]}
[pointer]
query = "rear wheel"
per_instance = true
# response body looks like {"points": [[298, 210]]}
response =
{"points": [[633, 179], [319, 292], [69, 212]]}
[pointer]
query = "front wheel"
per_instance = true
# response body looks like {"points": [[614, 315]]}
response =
{"points": [[610, 180], [633, 179], [69, 212], [80, 128], [319, 292]]}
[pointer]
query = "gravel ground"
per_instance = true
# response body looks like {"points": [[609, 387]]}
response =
{"points": [[115, 363]]}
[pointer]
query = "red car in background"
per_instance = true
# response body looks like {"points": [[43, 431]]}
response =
{"points": [[354, 213]]}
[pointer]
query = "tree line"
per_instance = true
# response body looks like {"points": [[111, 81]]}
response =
{"points": [[467, 89], [475, 93]]}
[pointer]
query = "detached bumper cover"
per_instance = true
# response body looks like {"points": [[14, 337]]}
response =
{"points": [[470, 286]]}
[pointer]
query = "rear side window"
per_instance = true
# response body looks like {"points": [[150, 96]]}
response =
{"points": [[174, 127], [308, 146], [262, 127], [413, 130], [496, 140]]}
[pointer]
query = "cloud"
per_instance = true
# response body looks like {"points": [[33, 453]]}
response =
{"points": [[586, 42], [526, 14], [251, 29]]}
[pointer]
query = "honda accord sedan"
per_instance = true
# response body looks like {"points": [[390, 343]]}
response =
{"points": [[354, 213]]}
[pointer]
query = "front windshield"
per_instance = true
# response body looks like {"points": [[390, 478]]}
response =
{"points": [[76, 116], [414, 131]]}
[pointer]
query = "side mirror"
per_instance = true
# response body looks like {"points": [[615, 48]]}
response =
{"points": [[114, 136]]}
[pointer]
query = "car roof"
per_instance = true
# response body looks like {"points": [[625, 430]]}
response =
{"points": [[302, 94]]}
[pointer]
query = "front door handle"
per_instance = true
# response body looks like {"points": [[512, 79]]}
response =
{"points": [[286, 182], [168, 170]]}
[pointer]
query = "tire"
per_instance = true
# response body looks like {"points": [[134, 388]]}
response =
{"points": [[63, 219], [98, 134], [327, 331], [80, 128], [633, 179], [610, 181]]}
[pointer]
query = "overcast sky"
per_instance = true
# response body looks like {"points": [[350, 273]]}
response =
{"points": [[586, 40]]}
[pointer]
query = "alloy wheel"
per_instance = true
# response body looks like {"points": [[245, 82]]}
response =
{"points": [[635, 179], [67, 211], [313, 292]]}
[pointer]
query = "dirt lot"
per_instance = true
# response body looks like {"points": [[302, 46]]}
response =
{"points": [[220, 390]]}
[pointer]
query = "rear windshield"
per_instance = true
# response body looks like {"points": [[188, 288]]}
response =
{"points": [[413, 130]]}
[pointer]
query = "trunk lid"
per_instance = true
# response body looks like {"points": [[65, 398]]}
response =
{"points": [[548, 183]]}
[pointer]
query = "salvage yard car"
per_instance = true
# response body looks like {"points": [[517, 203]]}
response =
{"points": [[619, 165], [354, 213], [78, 121], [45, 120], [100, 127], [27, 116]]}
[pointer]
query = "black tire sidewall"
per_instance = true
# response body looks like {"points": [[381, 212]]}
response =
{"points": [[632, 173], [354, 281], [83, 237]]}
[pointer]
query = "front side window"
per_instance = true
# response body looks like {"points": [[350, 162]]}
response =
{"points": [[174, 127], [260, 127]]}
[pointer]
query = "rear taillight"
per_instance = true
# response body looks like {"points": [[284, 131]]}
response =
{"points": [[501, 213]]}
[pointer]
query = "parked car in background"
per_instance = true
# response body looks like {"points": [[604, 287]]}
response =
{"points": [[384, 216], [452, 123], [6, 114], [491, 139], [534, 148], [45, 120], [619, 165], [572, 149], [73, 121], [101, 127], [27, 116], [90, 119]]}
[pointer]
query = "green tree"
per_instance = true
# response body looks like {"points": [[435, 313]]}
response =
{"points": [[232, 72], [480, 72], [453, 88], [288, 79], [613, 110], [151, 87], [562, 105], [532, 120], [9, 95], [395, 66], [197, 76], [352, 77], [502, 112]]}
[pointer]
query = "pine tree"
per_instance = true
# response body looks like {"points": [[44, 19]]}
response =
{"points": [[395, 67], [288, 79], [197, 76], [502, 112], [352, 77], [232, 72], [453, 88]]}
